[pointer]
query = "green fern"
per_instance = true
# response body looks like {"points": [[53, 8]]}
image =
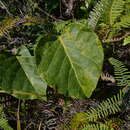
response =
{"points": [[126, 41], [116, 10], [122, 74], [107, 107], [6, 25], [110, 10], [97, 127], [96, 13], [113, 12], [10, 22], [3, 122], [124, 22], [117, 17], [127, 6]]}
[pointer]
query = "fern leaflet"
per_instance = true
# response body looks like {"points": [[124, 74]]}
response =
{"points": [[96, 127], [6, 25], [116, 10], [121, 72], [125, 21], [107, 107], [3, 122], [126, 41], [96, 13]]}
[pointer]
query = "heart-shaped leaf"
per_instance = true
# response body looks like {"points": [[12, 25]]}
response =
{"points": [[72, 63]]}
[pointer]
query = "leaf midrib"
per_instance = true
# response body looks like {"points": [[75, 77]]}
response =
{"points": [[62, 43]]}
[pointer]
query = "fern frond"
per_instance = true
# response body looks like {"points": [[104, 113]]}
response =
{"points": [[127, 6], [125, 21], [107, 107], [114, 123], [116, 10], [96, 13], [126, 41], [97, 127], [78, 119], [122, 75], [3, 122], [111, 8], [7, 24]]}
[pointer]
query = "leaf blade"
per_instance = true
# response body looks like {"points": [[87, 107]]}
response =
{"points": [[14, 81], [68, 64]]}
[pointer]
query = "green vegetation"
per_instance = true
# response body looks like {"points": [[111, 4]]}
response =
{"points": [[65, 64]]}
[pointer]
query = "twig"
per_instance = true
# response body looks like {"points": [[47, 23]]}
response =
{"points": [[117, 39], [58, 20], [60, 9], [4, 7], [18, 117], [39, 127]]}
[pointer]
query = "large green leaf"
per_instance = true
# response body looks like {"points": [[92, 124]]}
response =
{"points": [[19, 77], [73, 62]]}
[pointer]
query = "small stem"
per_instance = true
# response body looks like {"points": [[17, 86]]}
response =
{"points": [[18, 117], [39, 127], [117, 39], [58, 20], [4, 7]]}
